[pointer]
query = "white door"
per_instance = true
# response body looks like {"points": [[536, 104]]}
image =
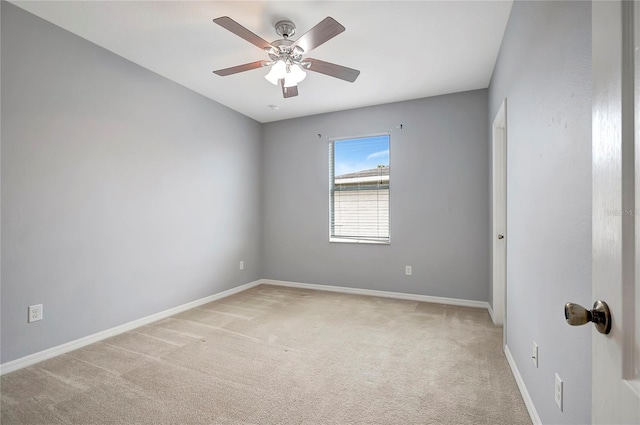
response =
{"points": [[616, 207], [499, 189]]}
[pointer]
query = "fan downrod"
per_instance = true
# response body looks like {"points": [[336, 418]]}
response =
{"points": [[285, 28]]}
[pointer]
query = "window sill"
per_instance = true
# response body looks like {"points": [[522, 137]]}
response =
{"points": [[358, 241]]}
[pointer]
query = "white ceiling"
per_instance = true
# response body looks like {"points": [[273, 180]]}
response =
{"points": [[404, 49]]}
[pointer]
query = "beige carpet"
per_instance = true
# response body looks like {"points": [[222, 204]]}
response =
{"points": [[275, 355]]}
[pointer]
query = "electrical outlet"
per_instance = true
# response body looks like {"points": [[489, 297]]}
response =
{"points": [[558, 391], [241, 265], [534, 354], [35, 313], [408, 271]]}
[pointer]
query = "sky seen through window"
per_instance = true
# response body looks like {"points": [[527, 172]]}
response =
{"points": [[363, 153]]}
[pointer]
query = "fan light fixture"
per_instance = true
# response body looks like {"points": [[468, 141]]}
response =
{"points": [[292, 74]]}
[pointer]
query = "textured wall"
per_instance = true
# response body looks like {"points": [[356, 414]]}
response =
{"points": [[123, 194], [544, 71], [439, 199]]}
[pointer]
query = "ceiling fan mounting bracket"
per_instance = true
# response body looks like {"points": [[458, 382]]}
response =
{"points": [[285, 28]]}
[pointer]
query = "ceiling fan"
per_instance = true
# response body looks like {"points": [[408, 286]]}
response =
{"points": [[287, 64]]}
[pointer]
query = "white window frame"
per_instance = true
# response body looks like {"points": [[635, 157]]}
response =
{"points": [[354, 239]]}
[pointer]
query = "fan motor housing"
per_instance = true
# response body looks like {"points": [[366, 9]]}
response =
{"points": [[284, 42]]}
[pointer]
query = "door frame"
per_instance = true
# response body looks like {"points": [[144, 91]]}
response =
{"points": [[499, 216]]}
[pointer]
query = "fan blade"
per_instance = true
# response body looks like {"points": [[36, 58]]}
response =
{"points": [[321, 33], [288, 91], [240, 68], [231, 25], [333, 70]]}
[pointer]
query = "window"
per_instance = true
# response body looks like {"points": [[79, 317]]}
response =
{"points": [[359, 206]]}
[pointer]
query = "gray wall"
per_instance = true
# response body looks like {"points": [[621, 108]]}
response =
{"points": [[544, 71], [123, 193], [439, 199]]}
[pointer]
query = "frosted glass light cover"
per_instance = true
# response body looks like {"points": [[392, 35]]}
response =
{"points": [[294, 76], [276, 73]]}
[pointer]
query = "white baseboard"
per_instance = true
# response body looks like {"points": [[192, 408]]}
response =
{"points": [[523, 389], [490, 310], [376, 293], [90, 339]]}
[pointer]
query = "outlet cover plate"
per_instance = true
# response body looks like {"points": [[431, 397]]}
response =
{"points": [[35, 313], [408, 271], [558, 391]]}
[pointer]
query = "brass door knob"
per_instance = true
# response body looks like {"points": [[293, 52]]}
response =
{"points": [[600, 315]]}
